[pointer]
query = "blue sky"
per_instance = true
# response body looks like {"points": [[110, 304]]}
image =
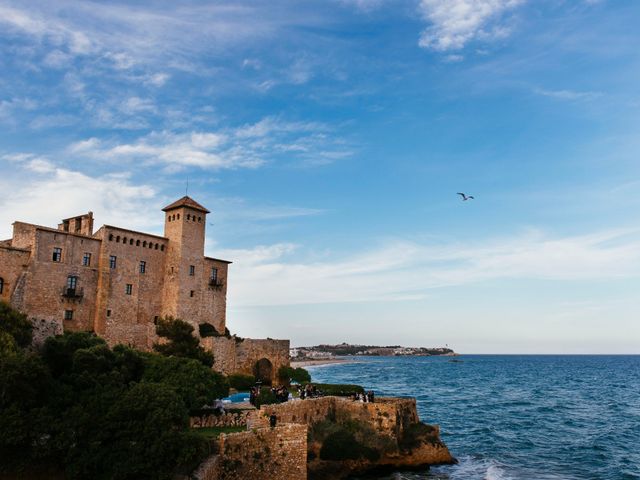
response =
{"points": [[329, 139]]}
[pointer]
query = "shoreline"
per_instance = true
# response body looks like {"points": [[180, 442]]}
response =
{"points": [[319, 362]]}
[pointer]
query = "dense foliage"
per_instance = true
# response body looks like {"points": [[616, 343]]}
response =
{"points": [[288, 374], [180, 341], [241, 382], [91, 411]]}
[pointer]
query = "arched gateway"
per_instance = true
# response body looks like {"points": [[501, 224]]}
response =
{"points": [[263, 371]]}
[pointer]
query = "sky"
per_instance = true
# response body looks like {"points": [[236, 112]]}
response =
{"points": [[329, 139]]}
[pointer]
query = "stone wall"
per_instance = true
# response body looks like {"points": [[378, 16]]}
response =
{"points": [[13, 262], [389, 416], [241, 355], [265, 454], [233, 418]]}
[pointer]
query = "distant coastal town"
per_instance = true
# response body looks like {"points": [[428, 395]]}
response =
{"points": [[344, 349]]}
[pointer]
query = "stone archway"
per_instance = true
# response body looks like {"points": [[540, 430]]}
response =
{"points": [[263, 371]]}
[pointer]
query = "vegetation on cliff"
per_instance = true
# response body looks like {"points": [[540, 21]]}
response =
{"points": [[91, 411]]}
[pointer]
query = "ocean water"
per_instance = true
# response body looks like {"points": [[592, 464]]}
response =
{"points": [[513, 417]]}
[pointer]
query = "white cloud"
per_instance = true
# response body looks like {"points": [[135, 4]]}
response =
{"points": [[567, 94], [401, 270], [455, 23], [114, 199]]}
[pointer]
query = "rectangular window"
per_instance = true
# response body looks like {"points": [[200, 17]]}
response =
{"points": [[72, 282], [112, 261], [192, 293], [86, 260], [214, 275], [129, 289], [143, 266], [68, 314], [57, 254], [108, 313], [192, 270]]}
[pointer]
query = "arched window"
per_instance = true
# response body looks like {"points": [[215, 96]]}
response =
{"points": [[1, 285], [144, 244], [131, 242], [137, 243], [188, 216], [168, 218], [173, 217], [178, 216], [162, 248], [124, 240], [150, 244], [111, 237], [117, 238], [155, 247], [199, 219]]}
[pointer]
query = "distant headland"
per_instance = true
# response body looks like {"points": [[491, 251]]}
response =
{"points": [[345, 349]]}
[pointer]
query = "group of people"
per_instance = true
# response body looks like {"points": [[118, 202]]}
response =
{"points": [[365, 397], [308, 391], [281, 394]]}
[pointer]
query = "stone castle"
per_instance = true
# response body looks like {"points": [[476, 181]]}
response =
{"points": [[118, 282]]}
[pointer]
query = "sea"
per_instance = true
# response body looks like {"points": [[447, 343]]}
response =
{"points": [[516, 417]]}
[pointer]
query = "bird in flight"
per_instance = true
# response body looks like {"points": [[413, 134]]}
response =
{"points": [[465, 197]]}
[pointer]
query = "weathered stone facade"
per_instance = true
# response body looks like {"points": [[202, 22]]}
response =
{"points": [[118, 282]]}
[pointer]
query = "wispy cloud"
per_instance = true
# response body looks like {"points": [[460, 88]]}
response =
{"points": [[455, 23], [567, 94], [247, 146], [401, 270]]}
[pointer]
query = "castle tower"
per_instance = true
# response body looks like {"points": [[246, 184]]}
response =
{"points": [[185, 275]]}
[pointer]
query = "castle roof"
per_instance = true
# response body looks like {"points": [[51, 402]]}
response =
{"points": [[185, 201]]}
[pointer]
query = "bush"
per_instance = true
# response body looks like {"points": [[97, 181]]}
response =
{"points": [[207, 330], [266, 397], [342, 445], [287, 374], [241, 382]]}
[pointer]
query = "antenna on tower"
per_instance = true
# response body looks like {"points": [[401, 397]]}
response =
{"points": [[186, 190]]}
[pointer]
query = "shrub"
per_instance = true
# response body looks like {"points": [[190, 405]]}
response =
{"points": [[287, 374], [241, 382], [266, 397], [207, 330]]}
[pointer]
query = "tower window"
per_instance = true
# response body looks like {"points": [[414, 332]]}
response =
{"points": [[131, 242], [128, 289], [86, 260], [155, 247], [118, 239], [214, 275], [188, 216], [144, 244], [178, 216], [124, 240], [108, 313], [199, 219], [137, 243], [143, 266], [113, 261], [68, 314], [150, 244], [191, 293], [162, 248], [1, 285], [192, 270], [111, 237], [57, 255]]}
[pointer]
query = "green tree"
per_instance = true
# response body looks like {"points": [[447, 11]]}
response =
{"points": [[288, 374], [196, 383], [15, 324], [180, 341]]}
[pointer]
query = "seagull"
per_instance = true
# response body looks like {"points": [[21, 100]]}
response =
{"points": [[465, 197]]}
